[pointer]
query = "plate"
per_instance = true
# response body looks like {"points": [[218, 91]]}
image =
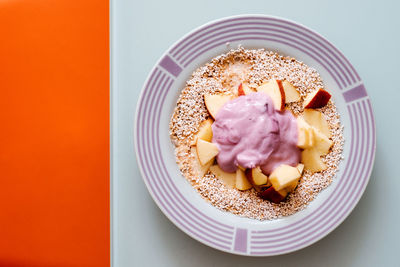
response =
{"points": [[184, 206]]}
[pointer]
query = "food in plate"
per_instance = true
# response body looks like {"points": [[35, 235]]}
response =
{"points": [[257, 133]]}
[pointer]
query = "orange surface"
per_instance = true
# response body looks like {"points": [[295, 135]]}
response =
{"points": [[54, 135]]}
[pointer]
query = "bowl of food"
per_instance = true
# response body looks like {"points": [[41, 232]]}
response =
{"points": [[255, 135]]}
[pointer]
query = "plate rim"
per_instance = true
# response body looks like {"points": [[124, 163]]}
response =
{"points": [[136, 119]]}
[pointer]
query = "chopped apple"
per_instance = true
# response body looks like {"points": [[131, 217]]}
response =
{"points": [[206, 151], [291, 93], [205, 132], [240, 90], [201, 169], [274, 89], [300, 168], [317, 120], [305, 134], [241, 181], [229, 179], [321, 143], [256, 176], [272, 195], [317, 99], [283, 175], [215, 102], [312, 161]]}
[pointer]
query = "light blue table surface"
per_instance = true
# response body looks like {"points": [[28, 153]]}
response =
{"points": [[367, 32]]}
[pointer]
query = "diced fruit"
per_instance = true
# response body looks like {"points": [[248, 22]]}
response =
{"points": [[215, 102], [291, 187], [201, 169], [317, 120], [291, 93], [312, 161], [242, 168], [305, 134], [300, 168], [283, 175], [274, 89], [205, 132], [241, 181], [317, 99], [229, 179], [321, 143], [272, 195], [206, 151], [240, 90], [256, 176]]}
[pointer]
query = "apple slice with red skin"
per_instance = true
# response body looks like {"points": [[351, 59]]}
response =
{"points": [[274, 89], [215, 102], [244, 89], [317, 99], [256, 177], [291, 93], [272, 195], [240, 90]]}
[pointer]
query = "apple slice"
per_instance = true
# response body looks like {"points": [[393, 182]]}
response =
{"points": [[272, 195], [305, 134], [241, 181], [205, 132], [317, 99], [200, 169], [291, 93], [300, 168], [206, 151], [312, 160], [256, 177], [215, 102], [229, 179], [244, 89], [274, 89], [283, 175], [316, 119], [321, 143]]}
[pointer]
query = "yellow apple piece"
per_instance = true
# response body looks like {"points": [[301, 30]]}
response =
{"points": [[300, 168], [205, 132], [312, 160], [229, 179], [317, 99], [206, 151], [283, 175], [291, 93], [215, 102], [256, 176], [316, 119], [322, 144], [241, 181], [200, 169], [305, 134], [274, 89]]}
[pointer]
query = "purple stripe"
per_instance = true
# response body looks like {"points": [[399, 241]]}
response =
{"points": [[240, 244], [333, 196], [170, 65], [355, 93], [294, 27], [188, 48], [194, 213], [338, 208], [166, 200], [270, 39]]}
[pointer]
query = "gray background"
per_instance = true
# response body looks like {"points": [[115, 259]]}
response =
{"points": [[367, 32]]}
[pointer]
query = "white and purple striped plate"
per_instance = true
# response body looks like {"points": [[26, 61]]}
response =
{"points": [[184, 206]]}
